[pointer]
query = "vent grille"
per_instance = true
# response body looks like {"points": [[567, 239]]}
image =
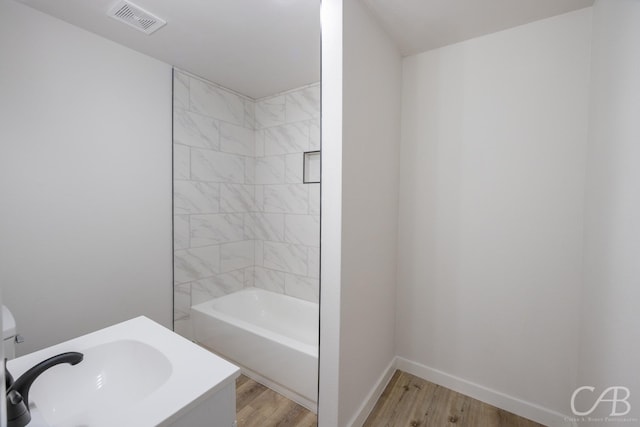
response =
{"points": [[136, 17]]}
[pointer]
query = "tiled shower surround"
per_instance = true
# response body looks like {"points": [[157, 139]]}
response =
{"points": [[242, 215]]}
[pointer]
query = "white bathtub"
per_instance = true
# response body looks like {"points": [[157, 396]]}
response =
{"points": [[272, 337]]}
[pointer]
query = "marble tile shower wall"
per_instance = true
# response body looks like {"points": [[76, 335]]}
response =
{"points": [[213, 151], [286, 224], [242, 216]]}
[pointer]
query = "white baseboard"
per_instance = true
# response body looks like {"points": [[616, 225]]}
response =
{"points": [[492, 397], [373, 396], [495, 398]]}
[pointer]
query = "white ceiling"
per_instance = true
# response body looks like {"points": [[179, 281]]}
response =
{"points": [[261, 47], [255, 47], [420, 25]]}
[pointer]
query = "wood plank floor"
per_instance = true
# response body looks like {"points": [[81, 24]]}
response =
{"points": [[409, 401], [259, 406]]}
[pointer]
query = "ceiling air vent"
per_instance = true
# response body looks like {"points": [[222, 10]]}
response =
{"points": [[136, 17]]}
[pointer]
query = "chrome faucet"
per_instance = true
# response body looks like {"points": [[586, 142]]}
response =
{"points": [[18, 412]]}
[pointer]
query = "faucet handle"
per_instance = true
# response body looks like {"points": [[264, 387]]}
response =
{"points": [[18, 414], [14, 398]]}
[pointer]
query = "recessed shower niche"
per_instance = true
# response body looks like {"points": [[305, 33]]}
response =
{"points": [[311, 167]]}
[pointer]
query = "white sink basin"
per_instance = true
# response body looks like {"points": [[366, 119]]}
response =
{"points": [[111, 374], [136, 373]]}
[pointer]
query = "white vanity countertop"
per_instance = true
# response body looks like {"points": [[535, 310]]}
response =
{"points": [[195, 374]]}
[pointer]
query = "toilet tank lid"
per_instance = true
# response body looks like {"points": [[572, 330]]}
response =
{"points": [[8, 324]]}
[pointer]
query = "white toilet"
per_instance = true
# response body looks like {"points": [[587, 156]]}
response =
{"points": [[8, 333]]}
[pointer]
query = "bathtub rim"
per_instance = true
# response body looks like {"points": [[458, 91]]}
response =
{"points": [[207, 309]]}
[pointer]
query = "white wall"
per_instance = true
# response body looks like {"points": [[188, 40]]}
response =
{"points": [[331, 15], [361, 86], [492, 178], [370, 161], [609, 345], [85, 179]]}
